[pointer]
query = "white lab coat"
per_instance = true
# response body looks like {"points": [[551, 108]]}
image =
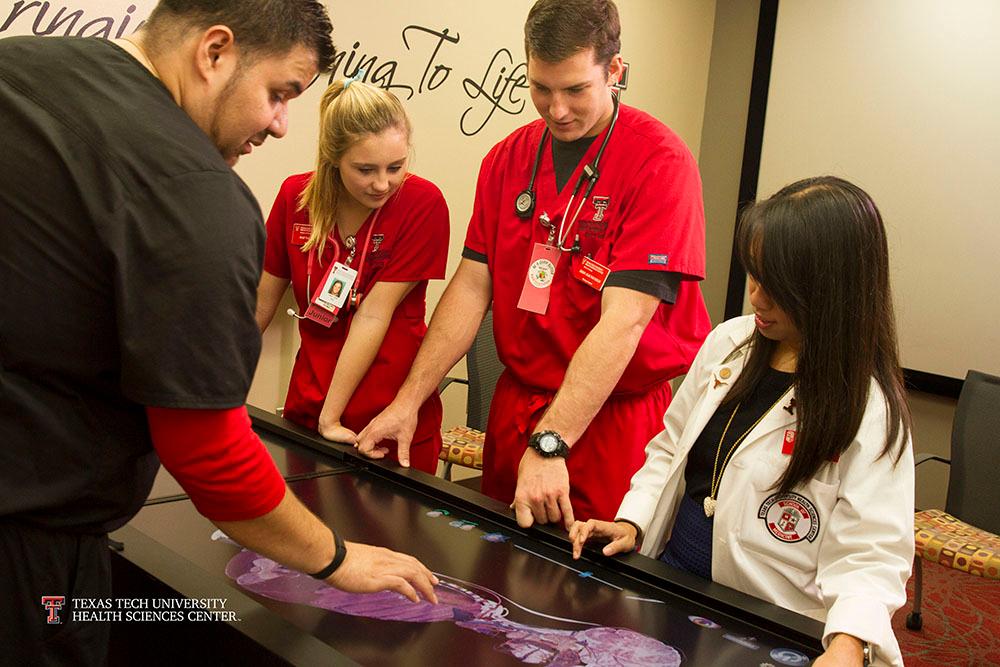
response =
{"points": [[850, 571]]}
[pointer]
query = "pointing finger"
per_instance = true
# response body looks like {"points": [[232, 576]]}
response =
{"points": [[567, 510], [403, 451]]}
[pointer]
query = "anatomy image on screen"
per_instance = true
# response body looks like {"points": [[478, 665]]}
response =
{"points": [[466, 605]]}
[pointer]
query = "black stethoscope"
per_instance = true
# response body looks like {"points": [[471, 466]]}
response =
{"points": [[524, 205]]}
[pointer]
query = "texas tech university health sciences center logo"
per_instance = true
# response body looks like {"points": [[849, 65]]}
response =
{"points": [[53, 603], [790, 517]]}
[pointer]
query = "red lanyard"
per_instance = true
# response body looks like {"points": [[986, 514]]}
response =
{"points": [[355, 298]]}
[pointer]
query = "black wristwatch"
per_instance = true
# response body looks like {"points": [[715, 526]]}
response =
{"points": [[548, 444]]}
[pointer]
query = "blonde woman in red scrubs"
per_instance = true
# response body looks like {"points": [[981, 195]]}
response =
{"points": [[363, 220]]}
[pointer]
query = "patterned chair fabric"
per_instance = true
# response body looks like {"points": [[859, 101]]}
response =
{"points": [[463, 446], [941, 538]]}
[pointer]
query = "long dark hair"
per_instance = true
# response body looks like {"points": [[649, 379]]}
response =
{"points": [[818, 249]]}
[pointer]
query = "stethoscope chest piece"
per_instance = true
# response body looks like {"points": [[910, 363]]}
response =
{"points": [[524, 206]]}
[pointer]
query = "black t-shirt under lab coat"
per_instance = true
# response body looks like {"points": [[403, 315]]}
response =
{"points": [[129, 260]]}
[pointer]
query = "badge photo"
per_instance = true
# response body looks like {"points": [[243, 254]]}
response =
{"points": [[337, 287]]}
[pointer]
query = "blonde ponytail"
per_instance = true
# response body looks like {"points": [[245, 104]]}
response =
{"points": [[347, 114]]}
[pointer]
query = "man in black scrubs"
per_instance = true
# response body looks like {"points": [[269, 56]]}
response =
{"points": [[129, 259]]}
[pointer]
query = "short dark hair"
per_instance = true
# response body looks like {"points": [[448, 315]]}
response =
{"points": [[261, 27], [558, 29]]}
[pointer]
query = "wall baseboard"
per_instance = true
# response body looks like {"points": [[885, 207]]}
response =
{"points": [[931, 383]]}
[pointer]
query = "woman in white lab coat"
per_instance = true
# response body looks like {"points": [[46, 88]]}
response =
{"points": [[785, 468]]}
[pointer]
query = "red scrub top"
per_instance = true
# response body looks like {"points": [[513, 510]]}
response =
{"points": [[645, 213], [408, 244]]}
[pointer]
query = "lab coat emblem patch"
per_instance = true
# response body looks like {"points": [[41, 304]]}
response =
{"points": [[790, 517]]}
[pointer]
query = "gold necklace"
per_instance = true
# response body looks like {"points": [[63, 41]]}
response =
{"points": [[710, 500], [141, 56]]}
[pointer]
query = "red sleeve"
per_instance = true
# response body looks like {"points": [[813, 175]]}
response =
{"points": [[279, 224], [663, 219], [421, 250], [218, 460], [483, 223]]}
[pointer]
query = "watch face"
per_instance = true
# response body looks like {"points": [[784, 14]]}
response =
{"points": [[548, 443]]}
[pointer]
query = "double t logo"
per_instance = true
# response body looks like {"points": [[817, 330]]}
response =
{"points": [[53, 603], [600, 206]]}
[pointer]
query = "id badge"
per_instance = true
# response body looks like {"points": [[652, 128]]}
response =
{"points": [[336, 288], [332, 294], [538, 282], [591, 272]]}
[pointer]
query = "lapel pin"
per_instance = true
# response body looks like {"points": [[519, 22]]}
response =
{"points": [[724, 374], [790, 407]]}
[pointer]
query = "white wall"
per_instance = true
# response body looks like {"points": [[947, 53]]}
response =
{"points": [[901, 97], [723, 132]]}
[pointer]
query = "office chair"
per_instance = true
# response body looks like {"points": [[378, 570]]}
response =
{"points": [[965, 535], [463, 445]]}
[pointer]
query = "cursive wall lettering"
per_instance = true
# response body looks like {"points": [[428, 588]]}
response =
{"points": [[64, 21], [507, 78], [500, 87], [443, 70]]}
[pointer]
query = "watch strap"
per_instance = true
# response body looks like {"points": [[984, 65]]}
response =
{"points": [[535, 442]]}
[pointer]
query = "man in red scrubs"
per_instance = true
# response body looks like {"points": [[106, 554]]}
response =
{"points": [[593, 281]]}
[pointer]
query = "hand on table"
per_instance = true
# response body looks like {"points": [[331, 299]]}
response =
{"points": [[369, 569], [621, 536], [542, 494], [394, 423], [337, 432]]}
